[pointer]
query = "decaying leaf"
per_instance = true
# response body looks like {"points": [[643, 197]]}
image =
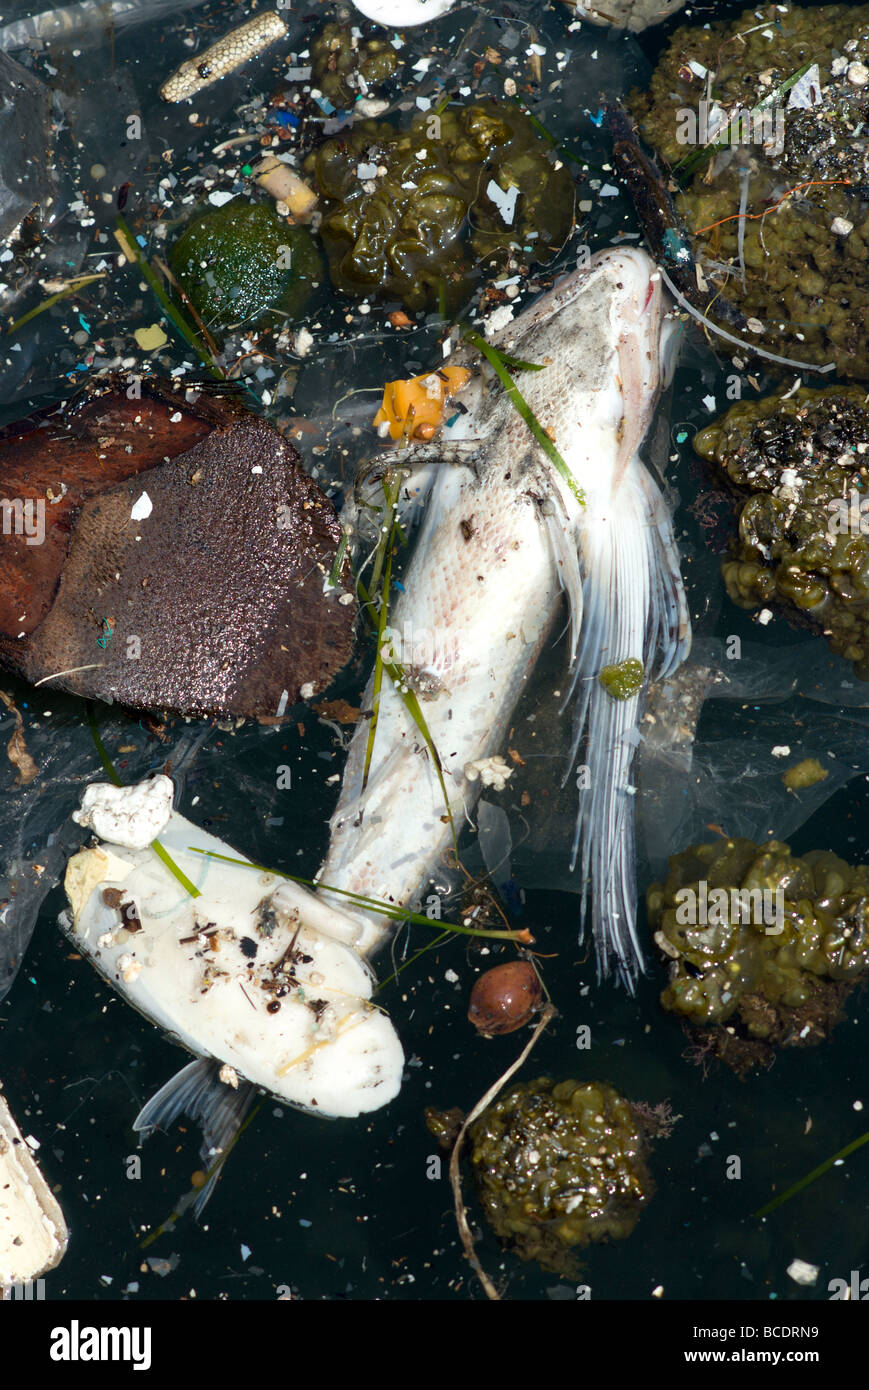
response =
{"points": [[339, 710], [173, 556]]}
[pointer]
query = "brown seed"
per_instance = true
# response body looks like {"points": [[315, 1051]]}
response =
{"points": [[504, 998]]}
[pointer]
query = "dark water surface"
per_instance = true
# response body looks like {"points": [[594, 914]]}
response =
{"points": [[347, 1209]]}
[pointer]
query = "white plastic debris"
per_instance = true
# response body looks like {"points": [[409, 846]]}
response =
{"points": [[33, 1234], [504, 200], [275, 995], [803, 1273], [491, 772], [401, 14], [142, 508], [128, 816], [806, 91]]}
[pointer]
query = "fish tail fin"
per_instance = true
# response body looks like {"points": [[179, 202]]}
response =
{"points": [[633, 606], [218, 1109]]}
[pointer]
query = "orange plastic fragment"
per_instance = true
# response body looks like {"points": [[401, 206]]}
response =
{"points": [[414, 408]]}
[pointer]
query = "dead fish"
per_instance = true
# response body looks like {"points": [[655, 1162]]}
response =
{"points": [[167, 550], [485, 603], [261, 997], [492, 598]]}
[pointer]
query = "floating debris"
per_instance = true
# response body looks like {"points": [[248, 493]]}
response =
{"points": [[505, 998], [558, 1167], [33, 1234], [764, 947], [800, 467], [223, 57], [217, 592]]}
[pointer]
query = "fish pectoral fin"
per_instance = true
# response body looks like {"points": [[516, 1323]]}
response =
{"points": [[219, 1110]]}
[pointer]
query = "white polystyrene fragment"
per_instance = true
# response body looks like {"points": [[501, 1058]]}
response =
{"points": [[33, 1234], [403, 13], [142, 508], [806, 91], [504, 200], [803, 1273], [128, 816]]}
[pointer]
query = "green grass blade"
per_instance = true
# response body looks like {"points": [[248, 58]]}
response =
{"points": [[101, 747], [127, 241], [386, 909], [173, 868], [691, 162], [497, 360], [396, 674], [815, 1173], [76, 284]]}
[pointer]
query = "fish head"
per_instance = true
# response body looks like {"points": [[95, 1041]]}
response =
{"points": [[600, 334]]}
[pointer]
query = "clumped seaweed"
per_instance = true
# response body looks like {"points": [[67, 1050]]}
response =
{"points": [[559, 1166], [764, 946], [801, 468], [409, 214], [344, 68], [774, 192]]}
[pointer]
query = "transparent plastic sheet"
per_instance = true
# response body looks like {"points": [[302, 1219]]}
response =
{"points": [[26, 164], [88, 21], [119, 74], [37, 835]]}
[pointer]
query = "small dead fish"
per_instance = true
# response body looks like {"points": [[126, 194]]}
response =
{"points": [[260, 996], [477, 609]]}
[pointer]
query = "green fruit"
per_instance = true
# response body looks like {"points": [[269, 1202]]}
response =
{"points": [[238, 262]]}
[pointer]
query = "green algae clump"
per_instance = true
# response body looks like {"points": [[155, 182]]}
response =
{"points": [[238, 262], [338, 61], [410, 215], [762, 941], [801, 470], [798, 261], [559, 1166], [624, 680], [805, 774]]}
